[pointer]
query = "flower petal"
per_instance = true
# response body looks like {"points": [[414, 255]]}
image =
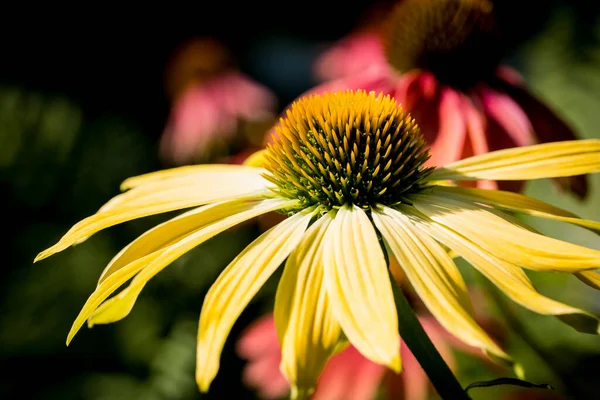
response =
{"points": [[548, 126], [511, 279], [515, 202], [217, 219], [435, 278], [308, 331], [170, 232], [549, 160], [187, 171], [159, 198], [197, 188], [590, 278], [505, 240], [477, 142], [358, 284], [450, 139], [256, 159], [236, 286], [508, 115]]}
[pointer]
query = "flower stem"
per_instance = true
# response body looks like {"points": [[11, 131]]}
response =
{"points": [[420, 345]]}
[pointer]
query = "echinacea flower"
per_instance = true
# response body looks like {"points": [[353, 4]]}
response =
{"points": [[348, 375], [212, 105], [348, 170], [440, 59]]}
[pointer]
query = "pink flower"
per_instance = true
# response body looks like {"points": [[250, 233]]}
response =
{"points": [[212, 105], [440, 60], [347, 375]]}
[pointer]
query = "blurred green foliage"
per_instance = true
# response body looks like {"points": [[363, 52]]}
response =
{"points": [[61, 158]]}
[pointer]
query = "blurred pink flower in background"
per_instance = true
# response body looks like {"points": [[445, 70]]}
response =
{"points": [[347, 375], [441, 60], [212, 103]]}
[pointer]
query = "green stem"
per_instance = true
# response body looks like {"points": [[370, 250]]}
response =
{"points": [[420, 345]]}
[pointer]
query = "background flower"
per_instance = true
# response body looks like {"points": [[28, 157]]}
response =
{"points": [[216, 109], [446, 71], [348, 375]]}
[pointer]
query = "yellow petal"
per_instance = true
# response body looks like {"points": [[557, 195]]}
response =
{"points": [[590, 278], [139, 205], [359, 287], [511, 279], [256, 159], [171, 231], [186, 171], [436, 279], [196, 188], [548, 160], [308, 332], [218, 218], [515, 202], [505, 240], [236, 286]]}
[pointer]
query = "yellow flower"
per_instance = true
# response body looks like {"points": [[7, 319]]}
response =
{"points": [[347, 168]]}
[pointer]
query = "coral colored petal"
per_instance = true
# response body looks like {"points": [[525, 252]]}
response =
{"points": [[408, 91], [450, 139], [349, 376], [415, 381], [508, 115], [477, 141], [259, 338], [351, 55]]}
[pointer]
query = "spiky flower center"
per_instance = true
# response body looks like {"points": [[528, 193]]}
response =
{"points": [[456, 40], [347, 148]]}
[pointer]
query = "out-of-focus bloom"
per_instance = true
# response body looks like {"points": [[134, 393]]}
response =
{"points": [[440, 60], [212, 103], [347, 375], [343, 165]]}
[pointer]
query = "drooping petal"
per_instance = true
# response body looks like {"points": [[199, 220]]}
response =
{"points": [[256, 159], [590, 278], [162, 197], [515, 202], [218, 219], [188, 171], [508, 115], [450, 139], [548, 127], [349, 376], [307, 328], [511, 279], [170, 232], [358, 284], [435, 278], [549, 160], [477, 142], [237, 285], [199, 187], [505, 240]]}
